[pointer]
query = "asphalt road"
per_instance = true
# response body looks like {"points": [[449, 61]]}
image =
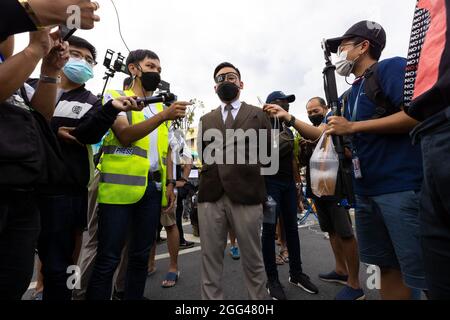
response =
{"points": [[316, 256]]}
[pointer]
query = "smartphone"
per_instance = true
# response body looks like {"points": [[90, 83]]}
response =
{"points": [[65, 32]]}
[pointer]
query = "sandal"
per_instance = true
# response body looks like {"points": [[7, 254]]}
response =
{"points": [[284, 254], [37, 295], [171, 277], [279, 260]]}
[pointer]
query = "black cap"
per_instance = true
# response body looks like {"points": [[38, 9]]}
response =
{"points": [[368, 30]]}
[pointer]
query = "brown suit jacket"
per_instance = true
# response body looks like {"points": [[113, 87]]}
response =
{"points": [[243, 184]]}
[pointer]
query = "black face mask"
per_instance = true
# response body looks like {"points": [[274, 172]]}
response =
{"points": [[150, 80], [227, 91], [317, 119], [285, 106]]}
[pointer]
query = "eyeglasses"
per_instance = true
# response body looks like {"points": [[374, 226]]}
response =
{"points": [[351, 43], [79, 56], [343, 46], [230, 77]]}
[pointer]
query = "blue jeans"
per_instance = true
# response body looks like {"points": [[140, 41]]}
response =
{"points": [[389, 236], [139, 221], [61, 217], [435, 211], [285, 195]]}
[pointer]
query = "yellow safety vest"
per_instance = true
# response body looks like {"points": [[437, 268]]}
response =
{"points": [[124, 170]]}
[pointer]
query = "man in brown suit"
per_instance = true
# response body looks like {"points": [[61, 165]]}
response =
{"points": [[232, 192]]}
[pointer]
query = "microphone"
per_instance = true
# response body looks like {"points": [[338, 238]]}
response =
{"points": [[163, 97]]}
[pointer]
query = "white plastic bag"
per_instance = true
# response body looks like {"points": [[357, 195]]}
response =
{"points": [[324, 166]]}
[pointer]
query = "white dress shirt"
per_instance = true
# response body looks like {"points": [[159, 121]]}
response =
{"points": [[236, 106], [153, 156]]}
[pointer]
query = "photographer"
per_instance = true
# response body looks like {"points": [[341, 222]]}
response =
{"points": [[28, 152], [388, 184], [390, 178]]}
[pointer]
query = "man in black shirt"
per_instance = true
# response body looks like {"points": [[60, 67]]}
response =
{"points": [[281, 187], [21, 149]]}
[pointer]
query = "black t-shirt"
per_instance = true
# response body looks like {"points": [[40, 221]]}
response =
{"points": [[82, 110], [13, 19], [427, 80]]}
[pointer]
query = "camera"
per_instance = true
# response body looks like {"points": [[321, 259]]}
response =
{"points": [[118, 65]]}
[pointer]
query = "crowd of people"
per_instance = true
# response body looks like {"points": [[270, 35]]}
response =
{"points": [[102, 210]]}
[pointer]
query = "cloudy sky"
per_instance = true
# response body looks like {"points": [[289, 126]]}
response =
{"points": [[276, 44]]}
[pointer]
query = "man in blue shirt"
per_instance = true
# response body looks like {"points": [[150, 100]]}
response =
{"points": [[387, 168]]}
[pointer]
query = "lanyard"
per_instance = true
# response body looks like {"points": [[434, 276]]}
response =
{"points": [[355, 106]]}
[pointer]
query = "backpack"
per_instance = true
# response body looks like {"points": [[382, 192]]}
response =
{"points": [[30, 155], [374, 91]]}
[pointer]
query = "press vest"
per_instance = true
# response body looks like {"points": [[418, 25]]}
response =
{"points": [[124, 170]]}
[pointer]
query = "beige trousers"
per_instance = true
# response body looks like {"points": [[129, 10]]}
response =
{"points": [[215, 219]]}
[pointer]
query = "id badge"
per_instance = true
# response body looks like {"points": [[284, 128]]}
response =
{"points": [[357, 168]]}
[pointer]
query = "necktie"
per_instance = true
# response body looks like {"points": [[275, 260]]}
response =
{"points": [[229, 120]]}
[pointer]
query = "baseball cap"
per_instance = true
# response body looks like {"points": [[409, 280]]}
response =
{"points": [[279, 95], [368, 30]]}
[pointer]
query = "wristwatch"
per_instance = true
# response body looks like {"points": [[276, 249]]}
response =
{"points": [[172, 182], [29, 10], [46, 79], [291, 122]]}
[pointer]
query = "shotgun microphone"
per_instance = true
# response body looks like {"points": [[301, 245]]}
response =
{"points": [[162, 97]]}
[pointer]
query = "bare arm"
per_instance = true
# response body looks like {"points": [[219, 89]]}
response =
{"points": [[186, 173], [16, 70], [128, 134], [296, 169], [171, 198], [56, 12], [306, 130], [399, 123], [44, 99], [187, 170], [169, 164]]}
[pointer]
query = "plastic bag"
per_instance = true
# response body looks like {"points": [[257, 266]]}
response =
{"points": [[182, 154], [324, 166], [270, 211]]}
